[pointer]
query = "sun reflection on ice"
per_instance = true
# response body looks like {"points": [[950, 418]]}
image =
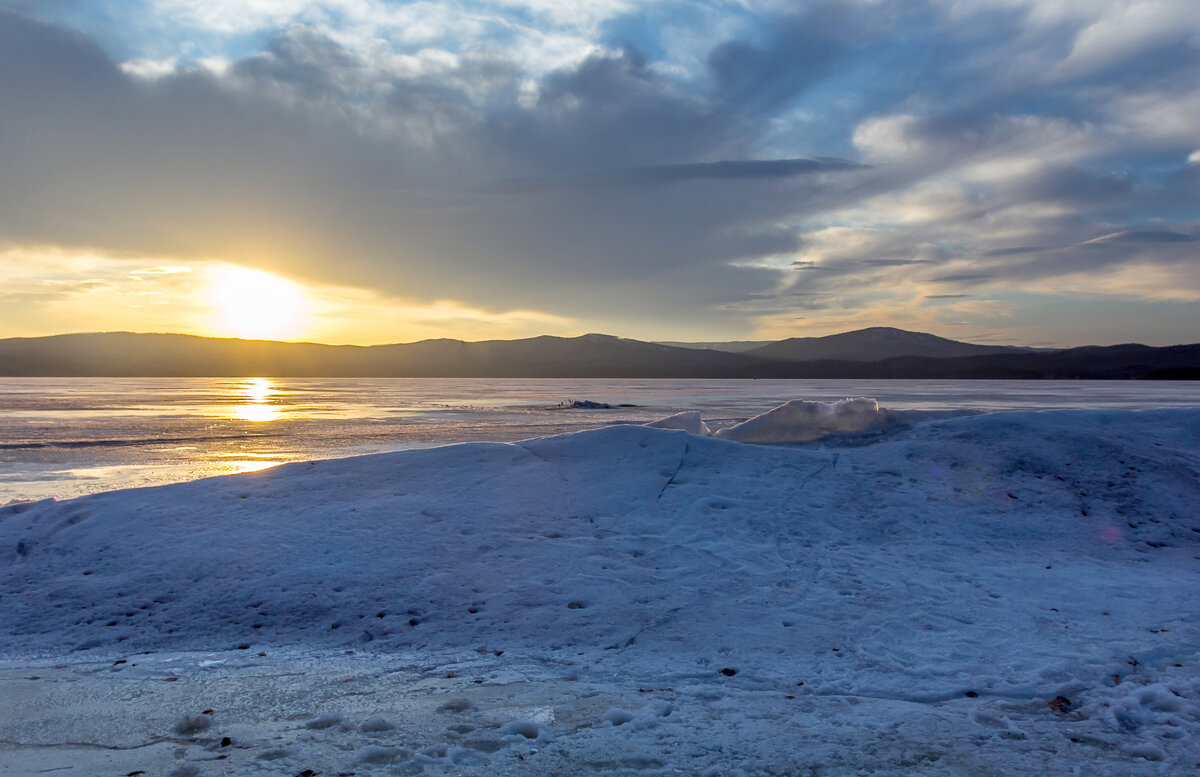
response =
{"points": [[256, 413], [258, 389], [258, 408], [252, 466]]}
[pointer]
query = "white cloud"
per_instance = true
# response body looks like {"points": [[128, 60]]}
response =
{"points": [[240, 16], [150, 69], [583, 16], [218, 66], [555, 35], [883, 139], [1154, 115], [1120, 31], [1143, 280], [993, 150]]}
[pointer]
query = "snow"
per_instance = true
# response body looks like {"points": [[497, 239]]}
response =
{"points": [[376, 726], [327, 720], [995, 593]]}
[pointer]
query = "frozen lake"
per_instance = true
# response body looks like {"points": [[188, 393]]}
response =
{"points": [[65, 437]]}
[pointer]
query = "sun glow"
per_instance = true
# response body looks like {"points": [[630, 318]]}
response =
{"points": [[256, 304]]}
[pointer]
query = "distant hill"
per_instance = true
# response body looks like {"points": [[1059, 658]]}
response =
{"points": [[119, 354], [874, 344], [732, 346], [854, 355]]}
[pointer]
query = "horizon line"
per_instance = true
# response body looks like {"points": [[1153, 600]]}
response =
{"points": [[667, 343]]}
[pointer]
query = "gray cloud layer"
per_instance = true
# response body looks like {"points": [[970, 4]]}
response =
{"points": [[620, 187]]}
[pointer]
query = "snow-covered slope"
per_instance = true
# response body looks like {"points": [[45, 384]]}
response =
{"points": [[956, 575]]}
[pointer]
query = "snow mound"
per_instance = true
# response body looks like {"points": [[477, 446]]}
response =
{"points": [[801, 421], [1011, 593]]}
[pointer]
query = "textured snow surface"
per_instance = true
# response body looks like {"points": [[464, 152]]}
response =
{"points": [[1011, 593]]}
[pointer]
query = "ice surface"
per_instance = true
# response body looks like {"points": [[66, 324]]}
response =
{"points": [[60, 437], [795, 421], [996, 594], [801, 421]]}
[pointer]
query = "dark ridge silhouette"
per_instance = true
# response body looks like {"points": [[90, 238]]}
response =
{"points": [[1116, 362], [874, 344], [732, 346], [121, 354], [125, 354]]}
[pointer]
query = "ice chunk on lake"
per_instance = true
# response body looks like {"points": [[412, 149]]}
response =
{"points": [[689, 421], [801, 420]]}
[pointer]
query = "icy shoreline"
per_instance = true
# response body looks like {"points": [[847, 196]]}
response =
{"points": [[923, 604]]}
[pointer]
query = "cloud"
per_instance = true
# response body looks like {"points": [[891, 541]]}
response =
{"points": [[1143, 236], [1125, 31], [44, 284], [150, 68], [741, 169], [274, 167], [588, 163], [234, 16]]}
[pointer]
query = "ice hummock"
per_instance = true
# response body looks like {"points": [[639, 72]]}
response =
{"points": [[688, 421], [801, 420], [795, 421], [1005, 593]]}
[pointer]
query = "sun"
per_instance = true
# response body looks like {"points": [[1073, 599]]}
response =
{"points": [[256, 304]]}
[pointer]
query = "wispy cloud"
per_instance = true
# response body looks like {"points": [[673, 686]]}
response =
{"points": [[724, 170]]}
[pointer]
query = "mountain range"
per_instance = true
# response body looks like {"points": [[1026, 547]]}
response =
{"points": [[877, 352]]}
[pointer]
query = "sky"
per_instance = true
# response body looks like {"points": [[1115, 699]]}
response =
{"points": [[362, 171]]}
